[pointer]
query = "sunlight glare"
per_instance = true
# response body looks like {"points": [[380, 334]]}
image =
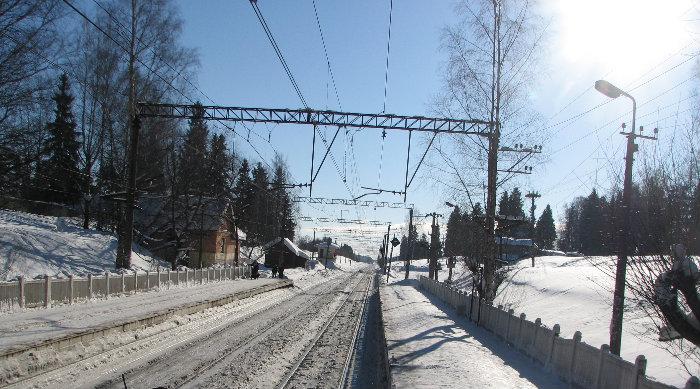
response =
{"points": [[624, 35]]}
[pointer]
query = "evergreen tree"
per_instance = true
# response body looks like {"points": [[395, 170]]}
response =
{"points": [[592, 224], [58, 174], [504, 204], [545, 232], [218, 167], [515, 204], [455, 235], [244, 195], [282, 220], [194, 155], [261, 224]]}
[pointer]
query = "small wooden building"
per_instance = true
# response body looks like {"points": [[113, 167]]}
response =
{"points": [[281, 252], [187, 226], [326, 250]]}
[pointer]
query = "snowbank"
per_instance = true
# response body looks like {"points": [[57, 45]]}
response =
{"points": [[35, 245]]}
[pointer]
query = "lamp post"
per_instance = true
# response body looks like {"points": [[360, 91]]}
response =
{"points": [[614, 92]]}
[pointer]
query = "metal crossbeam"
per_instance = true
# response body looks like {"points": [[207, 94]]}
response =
{"points": [[350, 202], [343, 221], [322, 118]]}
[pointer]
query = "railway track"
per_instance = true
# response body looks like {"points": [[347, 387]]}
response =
{"points": [[202, 378], [326, 361]]}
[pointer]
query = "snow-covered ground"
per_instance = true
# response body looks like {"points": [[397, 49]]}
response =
{"points": [[430, 346], [35, 245], [576, 294]]}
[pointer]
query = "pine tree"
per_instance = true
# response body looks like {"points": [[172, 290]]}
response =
{"points": [[194, 155], [58, 174], [262, 226], [515, 204], [455, 235], [545, 232], [218, 166], [504, 204], [244, 195], [592, 227]]}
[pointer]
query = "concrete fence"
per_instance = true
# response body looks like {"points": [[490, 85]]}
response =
{"points": [[49, 291], [574, 361]]}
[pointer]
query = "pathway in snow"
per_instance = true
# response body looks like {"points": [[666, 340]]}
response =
{"points": [[35, 325], [430, 345]]}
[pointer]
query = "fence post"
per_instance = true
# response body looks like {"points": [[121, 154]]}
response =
{"points": [[511, 315], [106, 284], [187, 275], [136, 281], [21, 291], [519, 343], [604, 350], [90, 286], [170, 283], [555, 334], [47, 291], [158, 272], [148, 280], [70, 289], [538, 325], [574, 354], [123, 284], [693, 383], [640, 366], [498, 319]]}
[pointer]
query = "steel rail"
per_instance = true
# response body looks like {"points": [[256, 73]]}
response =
{"points": [[361, 318], [289, 315], [314, 343]]}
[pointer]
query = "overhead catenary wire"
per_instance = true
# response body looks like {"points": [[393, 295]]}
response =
{"points": [[278, 51]]}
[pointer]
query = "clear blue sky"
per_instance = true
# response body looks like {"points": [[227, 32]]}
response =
{"points": [[239, 67]]}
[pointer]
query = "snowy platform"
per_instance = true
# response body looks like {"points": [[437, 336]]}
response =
{"points": [[35, 327], [430, 345]]}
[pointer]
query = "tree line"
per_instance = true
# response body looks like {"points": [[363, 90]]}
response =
{"points": [[665, 210]]}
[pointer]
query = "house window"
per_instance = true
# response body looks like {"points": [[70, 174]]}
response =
{"points": [[223, 245]]}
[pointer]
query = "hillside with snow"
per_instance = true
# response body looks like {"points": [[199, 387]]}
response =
{"points": [[576, 293], [35, 245]]}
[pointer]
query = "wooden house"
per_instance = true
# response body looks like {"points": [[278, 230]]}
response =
{"points": [[183, 228], [326, 250], [281, 252]]}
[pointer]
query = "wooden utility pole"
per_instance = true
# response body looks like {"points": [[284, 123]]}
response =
{"points": [[532, 196], [434, 242], [621, 267]]}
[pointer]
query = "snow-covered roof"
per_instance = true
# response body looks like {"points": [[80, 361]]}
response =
{"points": [[326, 245], [290, 245]]}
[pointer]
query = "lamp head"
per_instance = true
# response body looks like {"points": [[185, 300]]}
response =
{"points": [[608, 89]]}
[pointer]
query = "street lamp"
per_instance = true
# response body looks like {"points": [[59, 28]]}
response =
{"points": [[614, 92]]}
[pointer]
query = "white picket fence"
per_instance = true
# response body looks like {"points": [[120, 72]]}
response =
{"points": [[49, 290], [574, 361]]}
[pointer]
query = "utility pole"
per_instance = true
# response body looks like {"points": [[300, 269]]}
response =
{"points": [[532, 196], [434, 242], [409, 249], [621, 267], [391, 254], [386, 248]]}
